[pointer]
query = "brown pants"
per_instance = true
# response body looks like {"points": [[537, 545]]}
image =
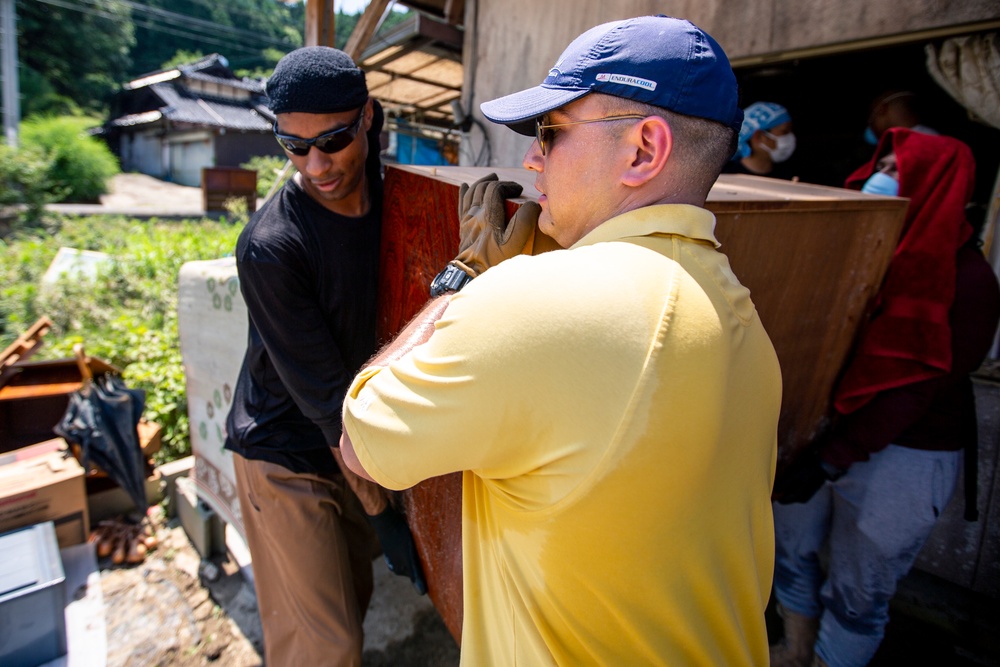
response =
{"points": [[312, 551]]}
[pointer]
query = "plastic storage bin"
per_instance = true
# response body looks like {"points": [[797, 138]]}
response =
{"points": [[32, 597]]}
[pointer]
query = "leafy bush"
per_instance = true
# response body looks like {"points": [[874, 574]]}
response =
{"points": [[268, 167], [24, 190], [39, 96], [128, 315], [80, 165]]}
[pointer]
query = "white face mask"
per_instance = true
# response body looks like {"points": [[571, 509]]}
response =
{"points": [[784, 146]]}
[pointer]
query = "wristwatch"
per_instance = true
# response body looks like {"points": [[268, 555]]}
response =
{"points": [[451, 278]]}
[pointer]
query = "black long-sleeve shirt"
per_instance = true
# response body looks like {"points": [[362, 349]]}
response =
{"points": [[309, 278]]}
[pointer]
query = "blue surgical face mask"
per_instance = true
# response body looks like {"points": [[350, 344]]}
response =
{"points": [[870, 136], [881, 183]]}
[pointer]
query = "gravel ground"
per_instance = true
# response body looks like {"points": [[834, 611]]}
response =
{"points": [[131, 191], [177, 609], [138, 195]]}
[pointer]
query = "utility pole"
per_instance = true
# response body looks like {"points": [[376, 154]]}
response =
{"points": [[320, 23], [8, 70]]}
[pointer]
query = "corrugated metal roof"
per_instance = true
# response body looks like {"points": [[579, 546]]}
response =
{"points": [[182, 105], [231, 114], [415, 70], [242, 84]]}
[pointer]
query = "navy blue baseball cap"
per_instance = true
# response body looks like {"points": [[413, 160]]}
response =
{"points": [[658, 60]]}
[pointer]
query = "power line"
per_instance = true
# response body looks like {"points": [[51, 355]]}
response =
{"points": [[193, 28], [187, 20], [209, 4], [145, 23], [82, 10]]}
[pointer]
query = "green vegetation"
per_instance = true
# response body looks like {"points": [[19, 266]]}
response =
{"points": [[128, 315], [268, 168], [24, 186], [72, 55], [56, 161], [79, 164]]}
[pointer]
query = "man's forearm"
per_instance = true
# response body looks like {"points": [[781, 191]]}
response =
{"points": [[371, 495], [416, 332]]}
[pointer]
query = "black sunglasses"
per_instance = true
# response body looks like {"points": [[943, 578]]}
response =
{"points": [[328, 142]]}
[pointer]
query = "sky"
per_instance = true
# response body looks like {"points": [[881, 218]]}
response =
{"points": [[351, 6]]}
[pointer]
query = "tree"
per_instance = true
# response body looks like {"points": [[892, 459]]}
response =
{"points": [[247, 32], [345, 24], [73, 53]]}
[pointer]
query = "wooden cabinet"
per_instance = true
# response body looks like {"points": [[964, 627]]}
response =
{"points": [[811, 256], [219, 184]]}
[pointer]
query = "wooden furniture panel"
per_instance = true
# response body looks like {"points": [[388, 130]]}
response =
{"points": [[35, 396], [219, 184], [811, 256]]}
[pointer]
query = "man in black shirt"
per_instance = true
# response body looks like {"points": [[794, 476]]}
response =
{"points": [[308, 271]]}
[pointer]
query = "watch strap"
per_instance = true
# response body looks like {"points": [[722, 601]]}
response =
{"points": [[451, 279]]}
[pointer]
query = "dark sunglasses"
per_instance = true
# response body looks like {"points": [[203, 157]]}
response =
{"points": [[328, 142], [544, 133]]}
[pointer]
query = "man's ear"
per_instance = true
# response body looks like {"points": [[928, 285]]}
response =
{"points": [[649, 143], [369, 113]]}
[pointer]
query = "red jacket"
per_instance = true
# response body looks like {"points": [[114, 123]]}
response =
{"points": [[907, 382], [908, 338]]}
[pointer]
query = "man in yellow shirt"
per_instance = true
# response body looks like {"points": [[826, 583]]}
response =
{"points": [[613, 406]]}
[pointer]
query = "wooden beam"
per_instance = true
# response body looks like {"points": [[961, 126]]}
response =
{"points": [[365, 29], [454, 12], [22, 348], [320, 23]]}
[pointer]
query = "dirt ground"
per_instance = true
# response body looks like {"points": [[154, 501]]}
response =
{"points": [[178, 609], [171, 609], [141, 191], [142, 196]]}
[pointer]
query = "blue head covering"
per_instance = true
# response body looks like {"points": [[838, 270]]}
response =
{"points": [[759, 116]]}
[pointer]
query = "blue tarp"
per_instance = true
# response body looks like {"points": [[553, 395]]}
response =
{"points": [[418, 150]]}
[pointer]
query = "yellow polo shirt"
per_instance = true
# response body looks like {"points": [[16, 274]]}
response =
{"points": [[614, 409]]}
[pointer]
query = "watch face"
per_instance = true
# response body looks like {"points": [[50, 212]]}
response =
{"points": [[451, 278]]}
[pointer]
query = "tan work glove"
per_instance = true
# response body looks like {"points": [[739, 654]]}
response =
{"points": [[540, 241], [486, 238]]}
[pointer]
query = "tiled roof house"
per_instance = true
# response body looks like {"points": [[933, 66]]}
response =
{"points": [[172, 123]]}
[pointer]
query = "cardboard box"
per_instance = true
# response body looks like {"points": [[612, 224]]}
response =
{"points": [[32, 597], [44, 482]]}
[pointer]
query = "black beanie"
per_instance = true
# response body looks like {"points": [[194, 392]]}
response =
{"points": [[316, 79]]}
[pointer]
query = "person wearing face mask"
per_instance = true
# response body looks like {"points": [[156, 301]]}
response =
{"points": [[885, 180], [894, 108], [766, 143], [872, 486]]}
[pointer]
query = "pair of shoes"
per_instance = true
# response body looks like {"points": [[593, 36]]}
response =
{"points": [[123, 541], [797, 648]]}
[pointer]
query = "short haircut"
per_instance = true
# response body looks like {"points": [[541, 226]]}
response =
{"points": [[702, 146]]}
